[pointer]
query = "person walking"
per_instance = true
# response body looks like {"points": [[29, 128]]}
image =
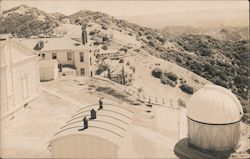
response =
{"points": [[100, 103]]}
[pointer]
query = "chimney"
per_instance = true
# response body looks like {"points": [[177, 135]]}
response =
{"points": [[84, 35]]}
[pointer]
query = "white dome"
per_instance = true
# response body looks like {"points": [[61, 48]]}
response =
{"points": [[214, 104]]}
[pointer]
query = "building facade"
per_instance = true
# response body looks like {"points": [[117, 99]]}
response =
{"points": [[69, 53], [19, 75]]}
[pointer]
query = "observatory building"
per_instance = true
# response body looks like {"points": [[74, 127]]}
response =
{"points": [[214, 115]]}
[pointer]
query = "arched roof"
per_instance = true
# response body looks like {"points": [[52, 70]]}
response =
{"points": [[214, 104]]}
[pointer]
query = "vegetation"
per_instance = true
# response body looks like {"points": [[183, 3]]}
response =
{"points": [[121, 61], [187, 89], [157, 72]]}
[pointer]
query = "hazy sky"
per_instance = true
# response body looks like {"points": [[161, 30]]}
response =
{"points": [[127, 8]]}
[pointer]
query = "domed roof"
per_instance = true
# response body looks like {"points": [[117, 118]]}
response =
{"points": [[214, 104]]}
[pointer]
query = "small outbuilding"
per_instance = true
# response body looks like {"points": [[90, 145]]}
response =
{"points": [[214, 115]]}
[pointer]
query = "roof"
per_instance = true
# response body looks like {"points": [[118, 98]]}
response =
{"points": [[18, 51], [112, 51], [61, 43], [214, 104], [111, 123]]}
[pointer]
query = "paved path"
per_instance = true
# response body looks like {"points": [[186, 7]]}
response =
{"points": [[62, 97], [155, 137]]}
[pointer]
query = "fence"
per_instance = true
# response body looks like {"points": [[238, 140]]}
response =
{"points": [[144, 97]]}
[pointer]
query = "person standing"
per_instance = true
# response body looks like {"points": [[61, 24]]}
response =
{"points": [[85, 123], [100, 103], [92, 114]]}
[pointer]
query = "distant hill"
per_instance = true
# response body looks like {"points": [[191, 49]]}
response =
{"points": [[218, 54], [26, 21]]}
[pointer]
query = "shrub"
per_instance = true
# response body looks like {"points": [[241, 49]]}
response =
{"points": [[220, 82], [181, 103], [121, 61], [151, 43], [157, 72], [166, 80], [104, 47], [237, 80], [132, 68], [172, 76], [178, 59], [187, 89], [105, 38], [91, 33], [104, 27]]}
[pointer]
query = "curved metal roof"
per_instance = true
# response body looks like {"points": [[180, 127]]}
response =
{"points": [[214, 104]]}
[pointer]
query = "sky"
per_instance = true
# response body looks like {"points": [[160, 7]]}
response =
{"points": [[127, 8]]}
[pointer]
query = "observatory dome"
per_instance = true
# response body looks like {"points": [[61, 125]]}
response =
{"points": [[214, 104]]}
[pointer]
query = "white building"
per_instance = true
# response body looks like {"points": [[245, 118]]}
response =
{"points": [[48, 70], [68, 52], [19, 75], [110, 54], [214, 115]]}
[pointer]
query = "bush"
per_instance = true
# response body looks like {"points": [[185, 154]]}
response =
{"points": [[187, 89], [121, 61], [157, 72], [104, 28], [104, 47], [91, 33], [181, 103], [132, 68], [178, 59], [172, 76], [166, 80]]}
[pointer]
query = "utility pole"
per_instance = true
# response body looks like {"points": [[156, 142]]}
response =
{"points": [[123, 75]]}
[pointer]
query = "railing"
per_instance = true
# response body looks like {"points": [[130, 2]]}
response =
{"points": [[160, 101], [99, 115], [94, 120], [90, 127]]}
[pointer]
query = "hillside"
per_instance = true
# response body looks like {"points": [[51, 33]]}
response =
{"points": [[25, 21], [219, 55]]}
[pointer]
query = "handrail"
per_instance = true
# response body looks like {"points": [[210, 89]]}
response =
{"points": [[99, 115], [80, 113], [116, 112], [86, 107], [103, 110], [80, 121], [89, 126], [104, 105]]}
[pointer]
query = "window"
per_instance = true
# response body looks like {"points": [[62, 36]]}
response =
{"points": [[90, 61], [69, 56], [25, 86], [81, 57], [82, 72], [43, 55], [54, 56]]}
